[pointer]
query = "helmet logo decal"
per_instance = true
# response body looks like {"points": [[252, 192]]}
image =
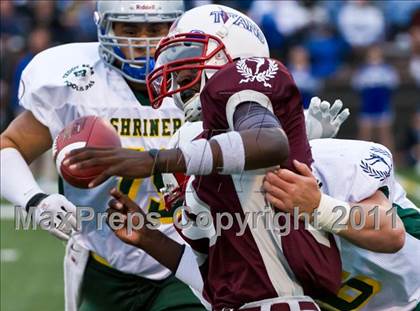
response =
{"points": [[246, 23], [263, 76]]}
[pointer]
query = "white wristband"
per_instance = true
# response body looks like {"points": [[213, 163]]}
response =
{"points": [[198, 157], [188, 271], [18, 185], [233, 152], [332, 215]]}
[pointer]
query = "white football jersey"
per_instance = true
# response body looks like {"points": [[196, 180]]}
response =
{"points": [[70, 81], [353, 170]]}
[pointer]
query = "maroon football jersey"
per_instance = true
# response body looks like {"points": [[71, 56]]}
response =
{"points": [[269, 77], [259, 263]]}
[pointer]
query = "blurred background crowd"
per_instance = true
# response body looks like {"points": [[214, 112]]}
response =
{"points": [[365, 52]]}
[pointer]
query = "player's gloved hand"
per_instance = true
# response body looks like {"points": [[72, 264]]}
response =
{"points": [[57, 208], [323, 120]]}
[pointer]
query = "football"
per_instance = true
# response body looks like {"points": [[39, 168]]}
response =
{"points": [[89, 131]]}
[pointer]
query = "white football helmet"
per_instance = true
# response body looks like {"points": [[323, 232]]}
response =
{"points": [[201, 41], [132, 68]]}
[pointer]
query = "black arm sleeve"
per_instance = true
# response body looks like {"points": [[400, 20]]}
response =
{"points": [[250, 115]]}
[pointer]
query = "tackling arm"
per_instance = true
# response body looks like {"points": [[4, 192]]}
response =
{"points": [[380, 232]]}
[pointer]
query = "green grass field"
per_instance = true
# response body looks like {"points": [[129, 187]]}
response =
{"points": [[34, 279]]}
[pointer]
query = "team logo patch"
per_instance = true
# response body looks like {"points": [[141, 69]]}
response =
{"points": [[79, 77], [260, 76], [378, 165]]}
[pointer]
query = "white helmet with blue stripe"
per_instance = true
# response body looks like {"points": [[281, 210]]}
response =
{"points": [[108, 12]]}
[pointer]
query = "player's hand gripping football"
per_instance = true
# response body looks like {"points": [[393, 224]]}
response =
{"points": [[116, 162], [323, 120]]}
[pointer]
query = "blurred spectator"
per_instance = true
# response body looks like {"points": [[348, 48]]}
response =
{"points": [[241, 5], [375, 82], [87, 28], [39, 39], [333, 8], [189, 4], [327, 50], [8, 24], [361, 23], [411, 141], [62, 26], [414, 66], [44, 13], [300, 68], [12, 40], [6, 115], [398, 13], [281, 21]]}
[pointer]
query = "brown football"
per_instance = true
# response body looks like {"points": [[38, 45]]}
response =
{"points": [[89, 131]]}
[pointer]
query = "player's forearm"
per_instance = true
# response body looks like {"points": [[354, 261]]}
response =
{"points": [[170, 161], [380, 230], [162, 248], [232, 153], [369, 224]]}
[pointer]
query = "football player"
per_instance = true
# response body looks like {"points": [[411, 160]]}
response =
{"points": [[105, 79], [359, 171], [371, 280], [252, 110]]}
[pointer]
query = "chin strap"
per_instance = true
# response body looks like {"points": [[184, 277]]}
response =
{"points": [[192, 108]]}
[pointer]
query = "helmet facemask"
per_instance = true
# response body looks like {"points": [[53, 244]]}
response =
{"points": [[133, 68], [198, 55]]}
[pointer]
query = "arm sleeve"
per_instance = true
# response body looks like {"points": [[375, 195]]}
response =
{"points": [[250, 115]]}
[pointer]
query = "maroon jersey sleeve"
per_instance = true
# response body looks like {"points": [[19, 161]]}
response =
{"points": [[257, 79]]}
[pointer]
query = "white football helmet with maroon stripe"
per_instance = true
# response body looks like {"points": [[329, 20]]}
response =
{"points": [[202, 40]]}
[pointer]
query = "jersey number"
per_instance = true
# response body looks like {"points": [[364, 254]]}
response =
{"points": [[354, 293], [131, 187]]}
